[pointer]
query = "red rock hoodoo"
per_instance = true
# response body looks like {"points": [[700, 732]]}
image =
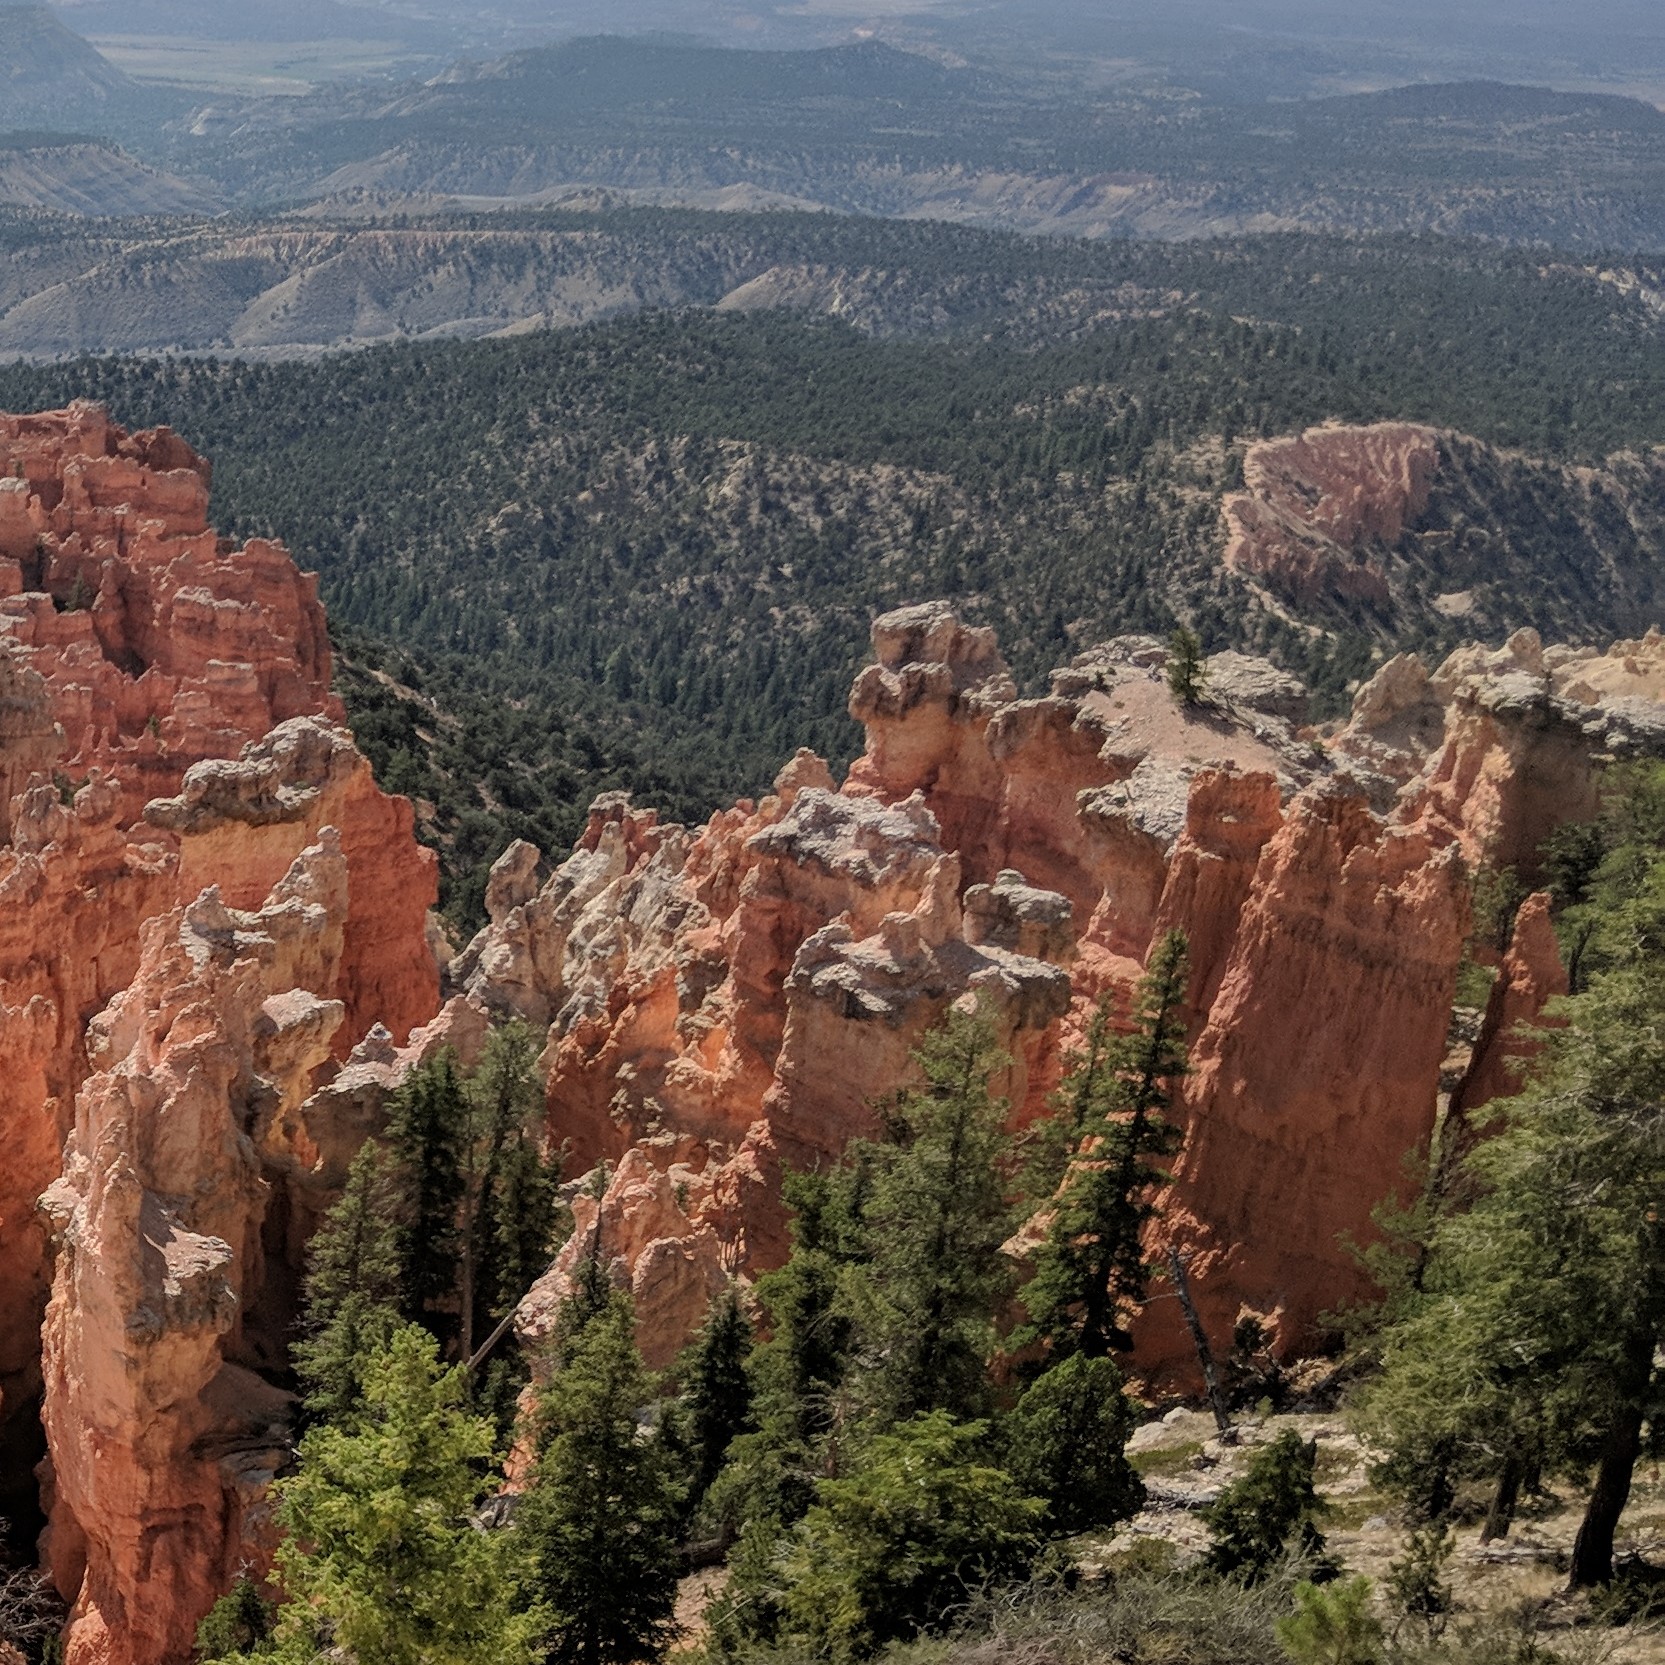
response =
{"points": [[209, 903], [215, 962], [723, 1003]]}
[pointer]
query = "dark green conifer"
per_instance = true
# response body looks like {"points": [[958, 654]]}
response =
{"points": [[599, 1522], [717, 1389], [1066, 1441], [355, 1285], [934, 1224], [1271, 1512], [426, 1132], [1091, 1270]]}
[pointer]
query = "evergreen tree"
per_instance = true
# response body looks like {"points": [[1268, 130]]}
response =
{"points": [[426, 1133], [934, 1224], [381, 1563], [509, 1200], [717, 1390], [1270, 1512], [355, 1285], [798, 1389], [1091, 1267], [237, 1625], [1187, 669], [592, 1293], [1532, 1343], [1066, 1441], [1332, 1625], [899, 1546], [598, 1523]]}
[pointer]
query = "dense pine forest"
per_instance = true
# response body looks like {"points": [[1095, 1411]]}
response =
{"points": [[646, 552]]}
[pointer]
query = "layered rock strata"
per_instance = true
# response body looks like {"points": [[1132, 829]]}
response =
{"points": [[1320, 509], [191, 847], [726, 1002]]}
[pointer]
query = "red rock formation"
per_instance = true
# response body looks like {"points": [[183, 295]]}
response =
{"points": [[733, 1003], [1316, 1070], [162, 643], [161, 1438], [1531, 976], [1319, 506], [241, 822], [724, 1004], [142, 658]]}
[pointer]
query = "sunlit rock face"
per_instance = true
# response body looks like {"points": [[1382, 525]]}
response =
{"points": [[726, 1002], [209, 906]]}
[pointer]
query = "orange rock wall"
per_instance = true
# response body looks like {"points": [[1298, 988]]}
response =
{"points": [[168, 743]]}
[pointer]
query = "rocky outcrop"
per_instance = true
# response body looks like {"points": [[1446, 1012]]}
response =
{"points": [[241, 821], [191, 846], [726, 1003], [161, 1437], [1316, 1068], [1502, 746], [162, 644], [1530, 977], [1320, 509]]}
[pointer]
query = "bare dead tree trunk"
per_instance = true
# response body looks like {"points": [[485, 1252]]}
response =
{"points": [[1205, 1353]]}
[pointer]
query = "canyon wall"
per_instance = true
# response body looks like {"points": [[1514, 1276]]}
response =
{"points": [[209, 907], [726, 1002]]}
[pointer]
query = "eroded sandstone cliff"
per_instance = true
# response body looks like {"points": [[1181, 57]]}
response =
{"points": [[724, 1003], [215, 966], [208, 905]]}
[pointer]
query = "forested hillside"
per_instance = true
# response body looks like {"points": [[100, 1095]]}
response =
{"points": [[866, 128], [647, 552]]}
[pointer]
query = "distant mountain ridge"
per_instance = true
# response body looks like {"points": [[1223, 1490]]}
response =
{"points": [[72, 174], [50, 76]]}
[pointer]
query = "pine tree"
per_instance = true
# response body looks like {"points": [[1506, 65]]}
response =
{"points": [[509, 1199], [599, 1520], [1187, 670], [381, 1563], [717, 1390], [354, 1288], [1066, 1442], [236, 1625], [898, 1547], [426, 1130], [1533, 1341], [934, 1225], [1091, 1269], [1272, 1510], [797, 1379]]}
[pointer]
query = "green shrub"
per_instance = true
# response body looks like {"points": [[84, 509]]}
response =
{"points": [[1269, 1513], [1332, 1625], [903, 1544], [1065, 1443]]}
